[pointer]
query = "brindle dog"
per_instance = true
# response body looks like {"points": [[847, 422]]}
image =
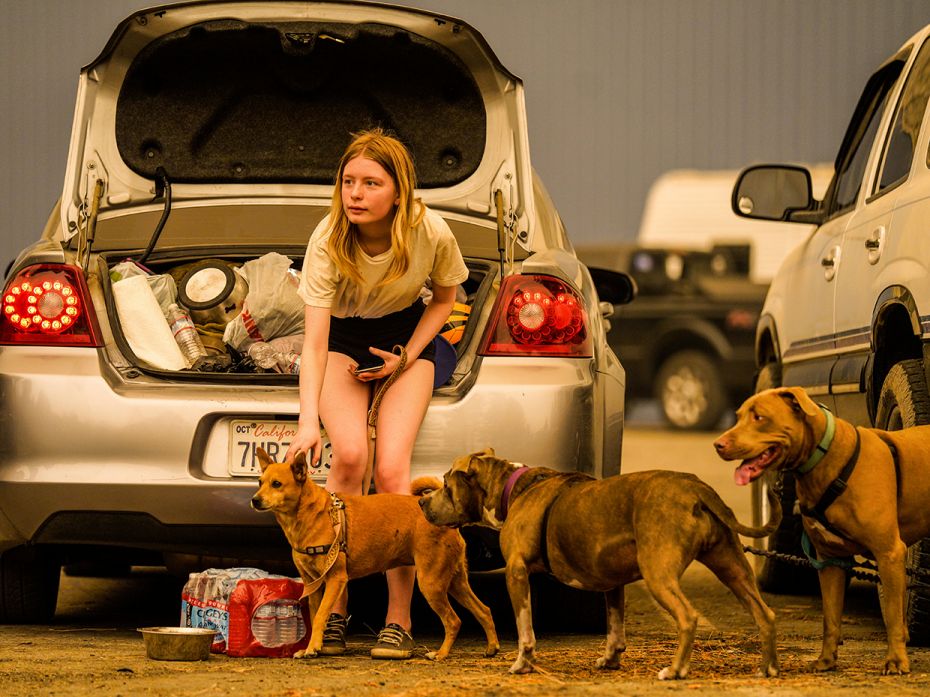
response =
{"points": [[602, 534]]}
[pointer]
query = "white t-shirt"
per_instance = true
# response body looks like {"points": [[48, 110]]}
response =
{"points": [[434, 254]]}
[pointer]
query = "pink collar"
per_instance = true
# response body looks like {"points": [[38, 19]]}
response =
{"points": [[508, 487]]}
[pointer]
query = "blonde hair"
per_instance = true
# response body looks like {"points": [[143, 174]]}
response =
{"points": [[390, 153]]}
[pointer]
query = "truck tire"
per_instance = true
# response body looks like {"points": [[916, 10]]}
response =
{"points": [[904, 401], [29, 578], [775, 576], [690, 391]]}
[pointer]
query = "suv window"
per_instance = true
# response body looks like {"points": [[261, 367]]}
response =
{"points": [[857, 143], [902, 138]]}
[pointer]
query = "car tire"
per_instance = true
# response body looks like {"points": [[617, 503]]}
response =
{"points": [[774, 575], [904, 401], [29, 579], [690, 391]]}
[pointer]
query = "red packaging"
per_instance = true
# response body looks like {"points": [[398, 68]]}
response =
{"points": [[266, 618]]}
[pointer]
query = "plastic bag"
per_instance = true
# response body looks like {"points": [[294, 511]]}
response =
{"points": [[163, 285], [272, 308]]}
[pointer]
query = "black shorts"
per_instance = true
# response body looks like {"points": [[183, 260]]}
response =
{"points": [[353, 335]]}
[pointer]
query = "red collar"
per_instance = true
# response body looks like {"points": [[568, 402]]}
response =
{"points": [[508, 487]]}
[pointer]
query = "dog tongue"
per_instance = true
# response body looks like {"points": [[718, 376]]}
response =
{"points": [[745, 473]]}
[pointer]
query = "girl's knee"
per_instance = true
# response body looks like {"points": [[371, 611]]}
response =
{"points": [[350, 458], [392, 482]]}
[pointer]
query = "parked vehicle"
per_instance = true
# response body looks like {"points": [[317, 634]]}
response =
{"points": [[846, 315], [687, 339], [210, 132], [689, 209]]}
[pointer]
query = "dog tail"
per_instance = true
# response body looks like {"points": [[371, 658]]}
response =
{"points": [[715, 504], [423, 485]]}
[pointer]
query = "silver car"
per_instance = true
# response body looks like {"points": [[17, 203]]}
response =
{"points": [[211, 132]]}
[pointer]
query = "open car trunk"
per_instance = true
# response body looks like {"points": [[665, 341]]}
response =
{"points": [[242, 303]]}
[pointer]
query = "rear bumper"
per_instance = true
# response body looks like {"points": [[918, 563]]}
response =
{"points": [[93, 458]]}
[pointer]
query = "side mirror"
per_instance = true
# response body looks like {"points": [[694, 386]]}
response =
{"points": [[773, 192], [614, 287]]}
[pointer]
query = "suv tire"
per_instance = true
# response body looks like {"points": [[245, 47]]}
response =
{"points": [[903, 402], [777, 576], [29, 579], [690, 391]]}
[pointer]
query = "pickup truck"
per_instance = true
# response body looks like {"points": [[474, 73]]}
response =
{"points": [[687, 338]]}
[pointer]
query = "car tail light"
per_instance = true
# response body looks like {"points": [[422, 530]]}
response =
{"points": [[537, 315], [48, 304]]}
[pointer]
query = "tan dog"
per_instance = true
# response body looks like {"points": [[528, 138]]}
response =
{"points": [[382, 531], [882, 509], [602, 534]]}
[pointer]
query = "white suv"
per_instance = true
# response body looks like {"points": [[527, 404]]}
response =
{"points": [[847, 316]]}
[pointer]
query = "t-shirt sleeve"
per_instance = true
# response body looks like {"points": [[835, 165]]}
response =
{"points": [[448, 266], [319, 276]]}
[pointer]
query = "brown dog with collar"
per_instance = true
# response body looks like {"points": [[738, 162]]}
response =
{"points": [[376, 533], [602, 534], [861, 490]]}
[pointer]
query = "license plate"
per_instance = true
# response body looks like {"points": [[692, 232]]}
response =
{"points": [[274, 437]]}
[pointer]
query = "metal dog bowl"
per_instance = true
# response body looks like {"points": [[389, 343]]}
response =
{"points": [[177, 643]]}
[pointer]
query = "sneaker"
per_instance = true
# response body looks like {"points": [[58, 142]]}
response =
{"points": [[334, 635], [394, 642]]}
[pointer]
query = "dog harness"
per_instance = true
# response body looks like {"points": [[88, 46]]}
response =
{"points": [[833, 492], [337, 516]]}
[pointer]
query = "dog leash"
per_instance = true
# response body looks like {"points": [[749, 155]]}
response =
{"points": [[337, 516], [383, 386]]}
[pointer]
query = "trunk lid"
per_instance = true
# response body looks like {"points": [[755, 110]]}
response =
{"points": [[250, 104]]}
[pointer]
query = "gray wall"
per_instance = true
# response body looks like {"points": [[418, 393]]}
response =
{"points": [[618, 91]]}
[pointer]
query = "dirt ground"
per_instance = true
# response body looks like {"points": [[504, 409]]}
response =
{"points": [[93, 649]]}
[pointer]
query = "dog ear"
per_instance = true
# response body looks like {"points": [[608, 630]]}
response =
{"points": [[299, 467], [263, 458], [799, 399]]}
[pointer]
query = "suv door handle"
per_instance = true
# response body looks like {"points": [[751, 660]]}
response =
{"points": [[875, 243], [830, 262]]}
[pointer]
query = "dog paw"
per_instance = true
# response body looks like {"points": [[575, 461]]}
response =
{"points": [[671, 674], [604, 663], [491, 650], [521, 667], [896, 666], [822, 665], [767, 672], [306, 653]]}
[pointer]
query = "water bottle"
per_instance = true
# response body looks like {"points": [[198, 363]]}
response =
{"points": [[290, 623], [265, 625], [289, 362], [185, 333], [263, 354]]}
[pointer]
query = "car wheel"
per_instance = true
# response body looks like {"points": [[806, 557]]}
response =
{"points": [[690, 391], [778, 576], [29, 579], [903, 402]]}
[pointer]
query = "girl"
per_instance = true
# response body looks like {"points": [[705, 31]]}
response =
{"points": [[365, 267]]}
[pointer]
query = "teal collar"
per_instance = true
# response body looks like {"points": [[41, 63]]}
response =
{"points": [[823, 445]]}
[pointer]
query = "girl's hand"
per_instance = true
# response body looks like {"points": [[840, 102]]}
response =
{"points": [[391, 361], [307, 440]]}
